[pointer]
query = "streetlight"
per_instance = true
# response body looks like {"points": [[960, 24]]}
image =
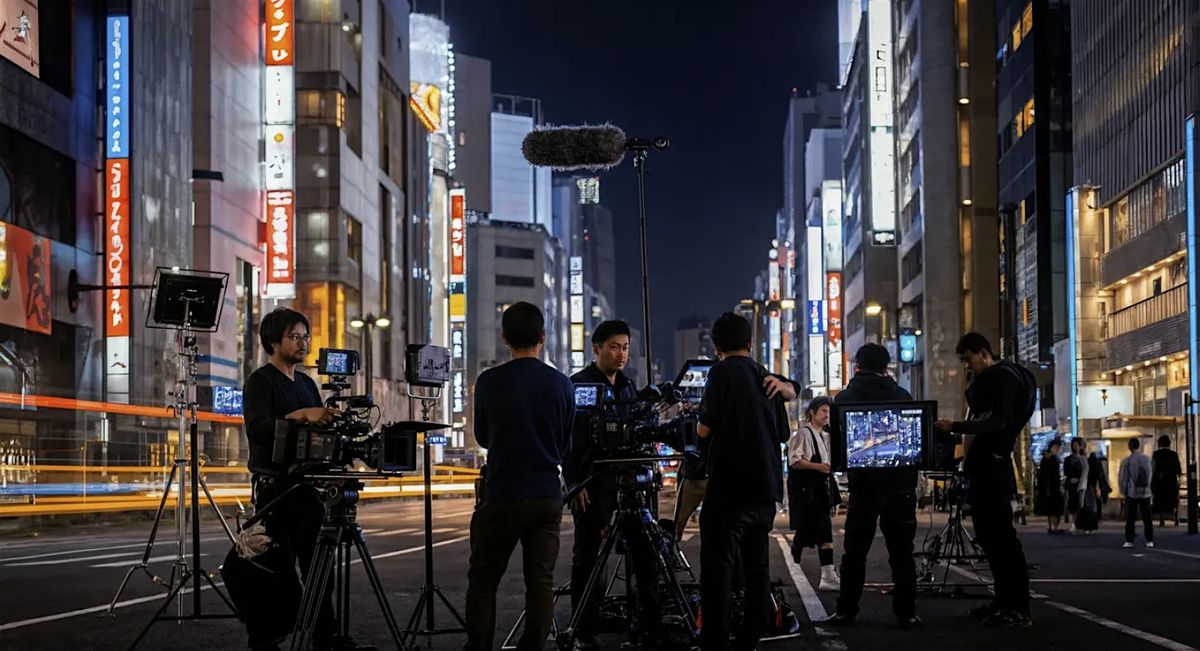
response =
{"points": [[875, 309], [370, 322]]}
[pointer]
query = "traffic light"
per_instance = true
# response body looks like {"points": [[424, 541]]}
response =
{"points": [[908, 346]]}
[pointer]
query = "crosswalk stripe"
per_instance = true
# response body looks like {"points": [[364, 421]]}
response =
{"points": [[78, 559], [130, 563]]}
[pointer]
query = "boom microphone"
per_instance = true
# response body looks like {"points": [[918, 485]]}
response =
{"points": [[575, 148]]}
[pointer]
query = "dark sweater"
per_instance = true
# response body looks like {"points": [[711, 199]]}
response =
{"points": [[267, 396], [524, 412], [1002, 399]]}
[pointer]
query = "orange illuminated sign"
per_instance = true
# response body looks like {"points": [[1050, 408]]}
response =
{"points": [[458, 233], [117, 270], [24, 279], [280, 25]]}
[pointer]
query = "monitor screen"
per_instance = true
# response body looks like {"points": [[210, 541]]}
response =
{"points": [[587, 396], [887, 435], [692, 380]]}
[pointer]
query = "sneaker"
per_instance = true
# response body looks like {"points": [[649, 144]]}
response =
{"points": [[834, 584], [908, 623], [984, 611], [838, 619], [1150, 545], [1127, 545], [1008, 619]]}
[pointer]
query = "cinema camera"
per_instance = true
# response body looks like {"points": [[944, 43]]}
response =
{"points": [[306, 450], [633, 427]]}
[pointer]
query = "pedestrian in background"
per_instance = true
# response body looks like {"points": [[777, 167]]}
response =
{"points": [[1075, 470], [1164, 480], [811, 490], [1134, 481], [1049, 499]]}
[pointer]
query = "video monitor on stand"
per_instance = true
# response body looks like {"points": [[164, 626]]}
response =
{"points": [[885, 436], [692, 380]]}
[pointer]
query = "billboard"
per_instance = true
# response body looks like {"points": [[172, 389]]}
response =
{"points": [[19, 34], [281, 272], [831, 223], [117, 88], [458, 233], [881, 124], [279, 31], [833, 328], [118, 198], [24, 279], [816, 318]]}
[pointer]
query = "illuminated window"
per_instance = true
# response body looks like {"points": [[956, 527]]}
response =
{"points": [[1016, 36], [1027, 20], [1028, 112], [1025, 310], [1023, 207], [321, 107], [353, 239]]}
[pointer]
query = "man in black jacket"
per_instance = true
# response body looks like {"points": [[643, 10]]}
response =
{"points": [[886, 496], [1002, 398], [593, 507], [745, 482]]}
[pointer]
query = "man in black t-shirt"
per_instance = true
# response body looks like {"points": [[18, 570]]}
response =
{"points": [[524, 410], [277, 391], [745, 481]]}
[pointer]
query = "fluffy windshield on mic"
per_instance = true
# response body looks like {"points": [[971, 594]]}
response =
{"points": [[575, 148]]}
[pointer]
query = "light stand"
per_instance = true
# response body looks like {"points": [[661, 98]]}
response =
{"points": [[186, 301], [429, 590], [640, 148]]}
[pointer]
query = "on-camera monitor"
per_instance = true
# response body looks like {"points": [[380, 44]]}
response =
{"points": [[692, 379], [336, 361], [887, 435], [587, 396]]}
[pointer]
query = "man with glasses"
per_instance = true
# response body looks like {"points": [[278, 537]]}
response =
{"points": [[1001, 396], [277, 391]]}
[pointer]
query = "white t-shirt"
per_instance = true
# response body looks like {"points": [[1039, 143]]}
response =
{"points": [[800, 446]]}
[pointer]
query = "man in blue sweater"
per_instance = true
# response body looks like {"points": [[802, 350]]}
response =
{"points": [[524, 411]]}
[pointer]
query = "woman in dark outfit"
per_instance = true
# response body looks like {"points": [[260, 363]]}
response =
{"points": [[1050, 500], [1164, 480], [1074, 470]]}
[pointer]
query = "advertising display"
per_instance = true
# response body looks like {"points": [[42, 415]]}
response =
{"points": [[19, 34], [118, 213], [279, 175], [24, 279], [880, 123]]}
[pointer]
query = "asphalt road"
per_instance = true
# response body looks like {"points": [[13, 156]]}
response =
{"points": [[1091, 593]]}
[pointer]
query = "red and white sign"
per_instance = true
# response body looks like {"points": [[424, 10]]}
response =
{"points": [[281, 272], [280, 25], [833, 306], [458, 234], [117, 269]]}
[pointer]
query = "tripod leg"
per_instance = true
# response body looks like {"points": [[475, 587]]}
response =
{"points": [[377, 586], [216, 509], [664, 571], [171, 596], [590, 587], [162, 505], [314, 591]]}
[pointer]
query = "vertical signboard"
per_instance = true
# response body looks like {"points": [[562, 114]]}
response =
{"points": [[831, 223], [880, 117], [279, 183], [458, 308], [577, 313], [117, 213], [833, 328]]}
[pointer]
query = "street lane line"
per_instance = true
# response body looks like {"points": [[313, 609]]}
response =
{"points": [[1158, 640], [94, 609], [448, 530], [396, 532], [1114, 580], [80, 559], [131, 563], [412, 550], [812, 603], [1172, 552], [1145, 636], [162, 542]]}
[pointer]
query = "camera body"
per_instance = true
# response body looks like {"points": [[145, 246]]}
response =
{"points": [[632, 428], [307, 450]]}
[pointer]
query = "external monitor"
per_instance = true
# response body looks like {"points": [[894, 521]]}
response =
{"points": [[886, 435], [692, 379]]}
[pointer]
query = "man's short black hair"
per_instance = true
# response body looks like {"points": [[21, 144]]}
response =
{"points": [[276, 324], [1134, 443], [1164, 441], [522, 324], [608, 330], [731, 332], [973, 343], [872, 358]]}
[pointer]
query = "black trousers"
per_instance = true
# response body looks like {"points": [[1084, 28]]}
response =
{"points": [[496, 528], [590, 531], [295, 524], [728, 531], [1132, 508], [893, 505], [990, 494]]}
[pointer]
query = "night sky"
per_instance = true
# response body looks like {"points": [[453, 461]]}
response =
{"points": [[714, 77]]}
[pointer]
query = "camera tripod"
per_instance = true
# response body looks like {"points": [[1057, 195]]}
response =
{"points": [[188, 304], [632, 518], [952, 545], [340, 532]]}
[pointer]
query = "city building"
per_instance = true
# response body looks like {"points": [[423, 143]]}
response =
{"points": [[868, 180], [584, 226], [820, 360], [693, 340], [1130, 339], [473, 130], [1034, 174], [520, 191]]}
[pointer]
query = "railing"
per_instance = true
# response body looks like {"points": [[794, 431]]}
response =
{"points": [[1172, 302]]}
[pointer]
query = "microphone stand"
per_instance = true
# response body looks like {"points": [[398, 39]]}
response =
{"points": [[640, 147]]}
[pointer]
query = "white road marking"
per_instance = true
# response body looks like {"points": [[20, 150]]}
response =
{"points": [[79, 559], [447, 530], [1172, 552], [94, 609], [1114, 580], [394, 532], [131, 563], [1145, 636], [162, 542], [812, 603], [412, 550]]}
